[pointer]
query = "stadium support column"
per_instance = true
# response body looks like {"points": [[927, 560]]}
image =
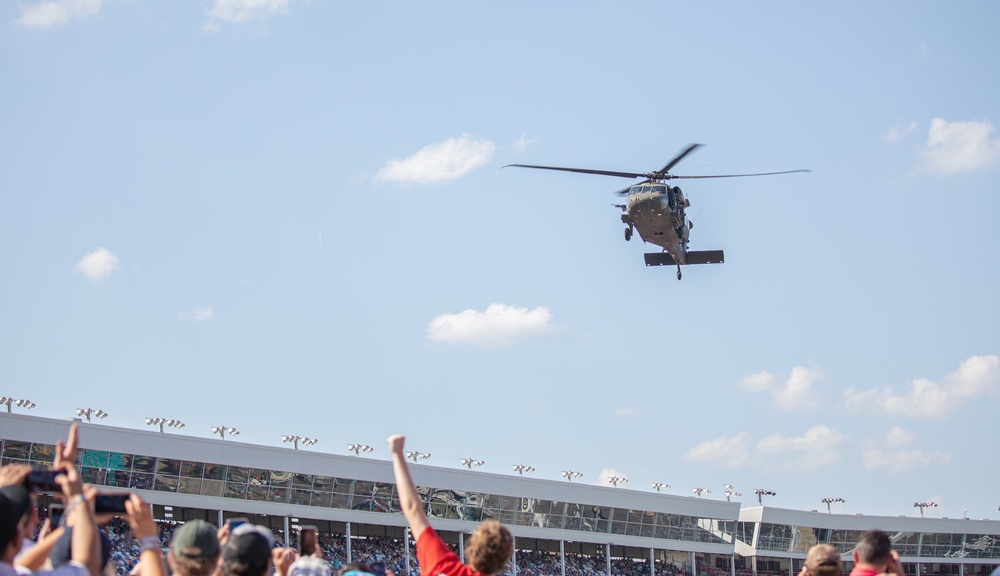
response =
{"points": [[406, 548], [694, 567], [562, 557], [607, 558], [461, 546], [513, 554], [220, 519], [652, 563], [347, 545], [732, 564], [288, 535]]}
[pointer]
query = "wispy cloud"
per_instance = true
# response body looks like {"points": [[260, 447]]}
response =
{"points": [[522, 143], [441, 162], [924, 398], [500, 325], [57, 12], [200, 314], [818, 447], [897, 132], [241, 11], [959, 147], [790, 394], [98, 264], [892, 457]]}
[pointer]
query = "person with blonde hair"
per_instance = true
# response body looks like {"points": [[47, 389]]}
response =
{"points": [[489, 548]]}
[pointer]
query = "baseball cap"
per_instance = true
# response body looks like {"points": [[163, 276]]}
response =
{"points": [[15, 504], [196, 540], [823, 560], [248, 550]]}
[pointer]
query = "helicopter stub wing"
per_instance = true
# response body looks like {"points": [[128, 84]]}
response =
{"points": [[699, 257]]}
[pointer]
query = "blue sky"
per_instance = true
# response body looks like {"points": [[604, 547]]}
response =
{"points": [[289, 217]]}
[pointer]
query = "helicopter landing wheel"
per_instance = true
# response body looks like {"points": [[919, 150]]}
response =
{"points": [[628, 234], [678, 272]]}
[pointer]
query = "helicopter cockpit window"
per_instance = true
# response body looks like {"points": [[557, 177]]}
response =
{"points": [[646, 188], [660, 189], [635, 189]]}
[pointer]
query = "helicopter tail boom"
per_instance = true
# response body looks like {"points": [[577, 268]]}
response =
{"points": [[700, 257]]}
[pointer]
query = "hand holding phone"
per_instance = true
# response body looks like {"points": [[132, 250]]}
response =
{"points": [[307, 540]]}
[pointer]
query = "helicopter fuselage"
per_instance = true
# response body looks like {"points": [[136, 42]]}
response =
{"points": [[656, 211]]}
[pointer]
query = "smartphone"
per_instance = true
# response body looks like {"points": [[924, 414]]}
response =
{"points": [[234, 522], [44, 480], [110, 502], [307, 540], [56, 512]]}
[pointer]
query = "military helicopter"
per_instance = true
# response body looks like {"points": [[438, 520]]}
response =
{"points": [[656, 210]]}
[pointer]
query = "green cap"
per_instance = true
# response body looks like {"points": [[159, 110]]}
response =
{"points": [[195, 539]]}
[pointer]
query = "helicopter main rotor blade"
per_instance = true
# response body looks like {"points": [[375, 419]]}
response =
{"points": [[678, 158], [581, 171], [672, 177]]}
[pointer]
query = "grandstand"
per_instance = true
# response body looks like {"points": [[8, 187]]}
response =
{"points": [[560, 528]]}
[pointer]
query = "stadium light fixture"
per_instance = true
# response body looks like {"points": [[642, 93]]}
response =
{"points": [[730, 492], [522, 468], [358, 448], [26, 404], [829, 501], [470, 462], [923, 505], [414, 455], [161, 422], [616, 480], [660, 486], [223, 430], [760, 492], [296, 439], [88, 412], [700, 491], [570, 474]]}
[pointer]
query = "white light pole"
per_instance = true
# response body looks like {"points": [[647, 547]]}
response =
{"points": [[616, 480], [660, 486], [470, 462], [26, 404], [569, 475], [923, 505], [829, 501], [296, 439], [700, 491], [730, 493], [760, 492], [522, 468], [160, 422], [358, 448], [414, 455], [87, 412], [223, 430]]}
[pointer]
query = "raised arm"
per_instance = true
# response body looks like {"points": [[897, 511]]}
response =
{"points": [[85, 547], [409, 500]]}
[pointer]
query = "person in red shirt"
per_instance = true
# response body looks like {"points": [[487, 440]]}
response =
{"points": [[874, 555], [489, 547]]}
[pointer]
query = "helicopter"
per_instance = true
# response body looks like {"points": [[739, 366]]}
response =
{"points": [[655, 210]]}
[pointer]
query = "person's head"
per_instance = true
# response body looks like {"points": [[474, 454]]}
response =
{"points": [[874, 547], [354, 567], [309, 566], [247, 551], [15, 519], [823, 560], [489, 548], [194, 549]]}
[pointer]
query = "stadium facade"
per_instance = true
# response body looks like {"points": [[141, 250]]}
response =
{"points": [[213, 479]]}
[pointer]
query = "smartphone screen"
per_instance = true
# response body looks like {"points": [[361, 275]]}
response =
{"points": [[307, 540], [44, 480], [110, 503], [234, 522], [55, 514]]}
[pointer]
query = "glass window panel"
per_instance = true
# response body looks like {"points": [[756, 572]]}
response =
{"points": [[213, 488], [363, 488], [43, 452], [92, 475], [299, 496], [95, 458], [215, 471], [119, 461], [18, 450], [340, 500], [302, 480], [193, 469], [280, 478], [559, 508], [321, 499], [258, 493], [168, 467], [382, 498], [646, 531], [237, 474], [143, 464], [277, 494], [259, 477], [118, 478], [165, 484], [323, 483], [141, 481], [233, 489], [631, 529], [342, 485], [190, 486]]}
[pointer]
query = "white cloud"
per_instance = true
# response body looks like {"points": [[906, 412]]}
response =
{"points": [[200, 314], [899, 461], [441, 162], [240, 11], [795, 393], [522, 143], [923, 398], [959, 146], [98, 264], [56, 12], [602, 478], [725, 451], [500, 325], [897, 132], [897, 437], [817, 448]]}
